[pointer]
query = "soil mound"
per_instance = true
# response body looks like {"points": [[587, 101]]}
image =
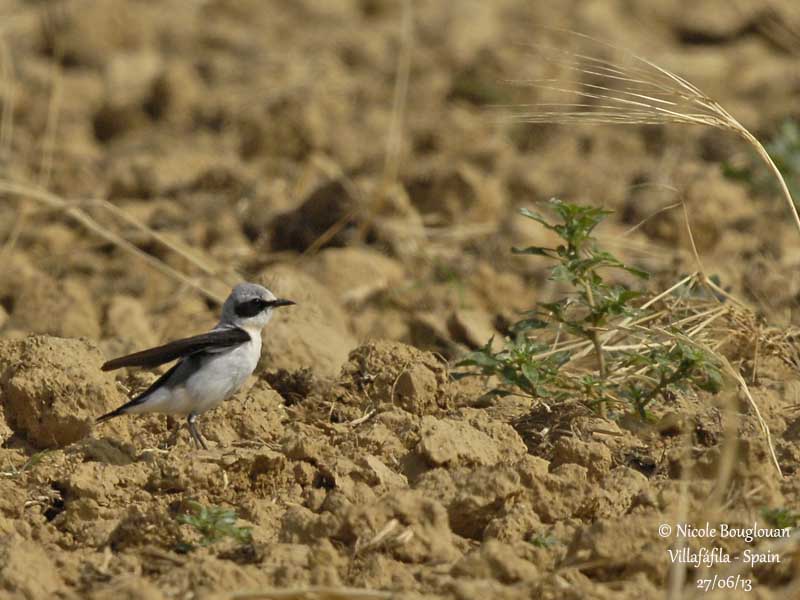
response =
{"points": [[53, 389]]}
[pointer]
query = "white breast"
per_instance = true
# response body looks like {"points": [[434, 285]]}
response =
{"points": [[222, 376]]}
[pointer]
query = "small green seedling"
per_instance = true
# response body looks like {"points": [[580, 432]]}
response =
{"points": [[28, 465], [541, 540], [781, 517], [213, 523]]}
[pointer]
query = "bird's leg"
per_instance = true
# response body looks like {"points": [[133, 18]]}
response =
{"points": [[191, 421]]}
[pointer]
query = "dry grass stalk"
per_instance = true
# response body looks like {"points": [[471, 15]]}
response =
{"points": [[394, 143], [394, 139], [7, 98], [46, 165], [639, 92], [735, 374], [677, 569], [311, 593], [781, 24], [73, 211]]}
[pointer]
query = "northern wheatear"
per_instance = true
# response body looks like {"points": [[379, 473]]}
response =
{"points": [[211, 366]]}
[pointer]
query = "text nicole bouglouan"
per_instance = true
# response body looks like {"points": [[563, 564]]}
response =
{"points": [[703, 548]]}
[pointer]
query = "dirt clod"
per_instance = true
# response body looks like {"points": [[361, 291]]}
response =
{"points": [[293, 386], [449, 442], [53, 389], [329, 209], [397, 374], [26, 570], [495, 560]]}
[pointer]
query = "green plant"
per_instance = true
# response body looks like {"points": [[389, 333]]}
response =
{"points": [[784, 148], [28, 465], [578, 263], [213, 523], [542, 540], [680, 366], [541, 357], [518, 366], [781, 517], [445, 273]]}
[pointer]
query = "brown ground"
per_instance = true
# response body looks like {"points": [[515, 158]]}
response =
{"points": [[226, 128]]}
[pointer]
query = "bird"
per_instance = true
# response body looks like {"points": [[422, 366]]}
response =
{"points": [[210, 367]]}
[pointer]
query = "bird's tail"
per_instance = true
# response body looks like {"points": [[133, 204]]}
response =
{"points": [[122, 409], [140, 398], [114, 413]]}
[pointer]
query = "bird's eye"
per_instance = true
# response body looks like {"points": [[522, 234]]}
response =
{"points": [[250, 308]]}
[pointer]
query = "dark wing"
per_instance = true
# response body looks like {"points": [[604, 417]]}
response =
{"points": [[213, 341]]}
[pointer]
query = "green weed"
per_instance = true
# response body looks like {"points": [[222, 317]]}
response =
{"points": [[784, 148], [213, 523], [781, 517], [541, 540], [538, 356], [28, 465]]}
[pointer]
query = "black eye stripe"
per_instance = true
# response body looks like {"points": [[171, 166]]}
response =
{"points": [[251, 308]]}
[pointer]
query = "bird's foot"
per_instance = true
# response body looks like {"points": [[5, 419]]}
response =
{"points": [[191, 423]]}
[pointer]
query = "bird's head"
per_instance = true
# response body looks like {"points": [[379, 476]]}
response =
{"points": [[249, 306]]}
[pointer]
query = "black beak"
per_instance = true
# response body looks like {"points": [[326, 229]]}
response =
{"points": [[282, 302]]}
